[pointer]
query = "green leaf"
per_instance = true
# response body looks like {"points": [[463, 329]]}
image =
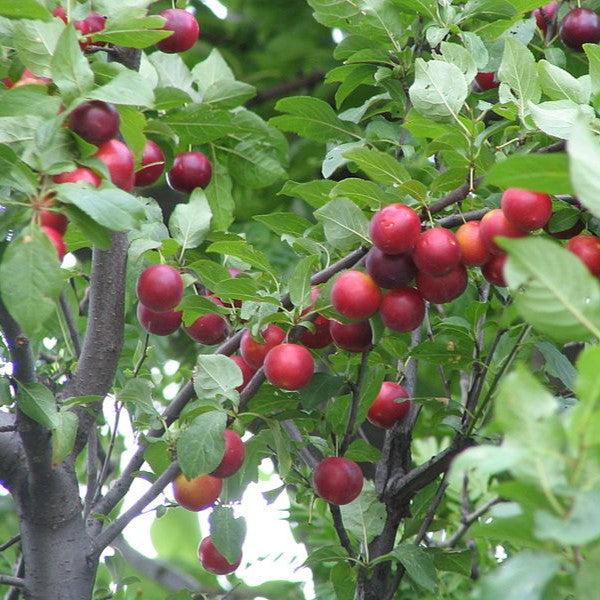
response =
{"points": [[189, 223], [583, 149], [242, 250], [418, 563], [362, 451], [379, 166], [38, 403], [128, 87], [35, 41], [201, 445], [111, 207], [522, 577], [220, 199], [557, 364], [321, 388], [461, 58], [552, 289], [19, 129], [518, 71], [453, 561], [299, 283], [15, 173], [542, 172], [63, 436], [365, 516], [365, 194], [195, 306], [30, 279], [344, 223], [580, 526], [216, 377], [24, 9], [70, 69], [133, 32], [211, 70], [199, 124], [242, 288], [592, 51], [558, 117], [209, 272], [587, 387], [313, 119], [285, 223], [559, 84], [227, 532], [314, 193], [439, 90]]}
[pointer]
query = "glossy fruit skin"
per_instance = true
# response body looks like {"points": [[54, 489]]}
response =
{"points": [[78, 175], [493, 270], [355, 295], [385, 411], [120, 163], [158, 323], [30, 78], [185, 27], [338, 480], [208, 329], [233, 459], [544, 15], [95, 121], [57, 241], [155, 159], [525, 209], [95, 23], [495, 224], [320, 337], [352, 337], [198, 493], [473, 251], [289, 366], [213, 561], [390, 270], [580, 26], [402, 309], [61, 13], [253, 352], [160, 287], [247, 371], [446, 288], [395, 228], [437, 251], [587, 249], [485, 80], [54, 220], [190, 170]]}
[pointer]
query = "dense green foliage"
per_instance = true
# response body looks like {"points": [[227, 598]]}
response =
{"points": [[308, 138]]}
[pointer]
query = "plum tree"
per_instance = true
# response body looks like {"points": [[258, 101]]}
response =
{"points": [[374, 237]]}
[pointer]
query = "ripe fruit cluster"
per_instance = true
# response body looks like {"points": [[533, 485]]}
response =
{"points": [[98, 122], [202, 492]]}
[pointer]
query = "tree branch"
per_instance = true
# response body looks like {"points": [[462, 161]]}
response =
{"points": [[103, 340], [338, 524], [356, 391], [12, 581], [117, 526], [466, 523], [166, 575], [71, 326]]}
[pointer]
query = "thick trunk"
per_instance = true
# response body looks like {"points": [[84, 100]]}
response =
{"points": [[56, 547]]}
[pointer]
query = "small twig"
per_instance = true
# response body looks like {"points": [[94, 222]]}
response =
{"points": [[466, 522], [356, 391], [338, 524], [12, 581], [71, 326], [455, 220], [304, 451], [117, 526], [92, 471], [435, 504], [111, 445], [7, 428], [138, 366], [11, 542]]}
